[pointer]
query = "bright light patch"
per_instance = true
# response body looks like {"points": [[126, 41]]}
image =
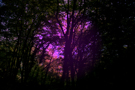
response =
{"points": [[56, 54]]}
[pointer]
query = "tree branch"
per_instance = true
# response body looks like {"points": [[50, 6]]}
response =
{"points": [[58, 20]]}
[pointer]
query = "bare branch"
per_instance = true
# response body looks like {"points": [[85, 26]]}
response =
{"points": [[74, 43], [79, 10], [68, 21], [71, 32], [76, 19], [58, 20]]}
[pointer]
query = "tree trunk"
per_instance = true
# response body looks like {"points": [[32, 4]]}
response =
{"points": [[65, 65]]}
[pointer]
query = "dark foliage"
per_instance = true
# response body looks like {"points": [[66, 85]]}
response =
{"points": [[105, 52]]}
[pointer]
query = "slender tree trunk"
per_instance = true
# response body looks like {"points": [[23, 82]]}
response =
{"points": [[72, 70], [65, 65]]}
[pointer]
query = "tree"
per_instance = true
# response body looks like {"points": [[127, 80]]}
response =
{"points": [[83, 30], [19, 26], [112, 21], [71, 35]]}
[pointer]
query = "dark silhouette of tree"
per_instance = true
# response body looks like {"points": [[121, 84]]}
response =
{"points": [[115, 27], [20, 22], [95, 37], [74, 36]]}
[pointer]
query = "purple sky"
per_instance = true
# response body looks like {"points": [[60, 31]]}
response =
{"points": [[64, 26]]}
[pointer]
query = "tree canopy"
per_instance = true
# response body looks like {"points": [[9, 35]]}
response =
{"points": [[67, 44]]}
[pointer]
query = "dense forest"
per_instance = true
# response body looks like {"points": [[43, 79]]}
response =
{"points": [[67, 44]]}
